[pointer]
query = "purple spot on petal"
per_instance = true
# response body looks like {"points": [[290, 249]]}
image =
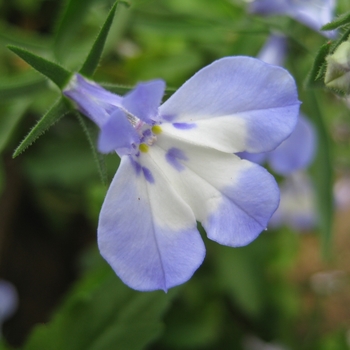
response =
{"points": [[173, 156], [136, 165], [168, 118], [147, 132], [184, 126], [148, 175]]}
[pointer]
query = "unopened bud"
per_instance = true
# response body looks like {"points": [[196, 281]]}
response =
{"points": [[338, 68]]}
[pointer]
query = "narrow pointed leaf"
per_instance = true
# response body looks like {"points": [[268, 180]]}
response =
{"points": [[94, 56], [338, 22], [9, 120], [59, 75], [57, 111], [315, 77]]}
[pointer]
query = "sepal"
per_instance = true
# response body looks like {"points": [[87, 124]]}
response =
{"points": [[56, 73], [56, 112]]}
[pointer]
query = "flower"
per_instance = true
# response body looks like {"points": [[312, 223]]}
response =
{"points": [[312, 13], [297, 207], [178, 165], [8, 301]]}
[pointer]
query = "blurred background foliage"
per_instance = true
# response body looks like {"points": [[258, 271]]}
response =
{"points": [[288, 289]]}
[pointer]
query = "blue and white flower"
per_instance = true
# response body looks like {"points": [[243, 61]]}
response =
{"points": [[312, 13], [178, 165]]}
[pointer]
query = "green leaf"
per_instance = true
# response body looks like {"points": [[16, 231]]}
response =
{"points": [[101, 313], [10, 120], [342, 20], [21, 86], [59, 75], [94, 55], [56, 112], [315, 76]]}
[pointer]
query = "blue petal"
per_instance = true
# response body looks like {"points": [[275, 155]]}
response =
{"points": [[146, 232], [237, 103], [92, 100], [258, 158], [245, 209], [297, 151], [297, 208], [274, 50], [267, 7], [143, 101], [117, 134]]}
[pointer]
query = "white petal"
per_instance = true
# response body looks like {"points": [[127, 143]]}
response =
{"points": [[232, 198]]}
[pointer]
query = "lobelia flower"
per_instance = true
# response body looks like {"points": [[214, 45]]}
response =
{"points": [[312, 13], [178, 165]]}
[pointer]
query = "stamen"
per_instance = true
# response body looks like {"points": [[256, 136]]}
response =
{"points": [[156, 129], [143, 148]]}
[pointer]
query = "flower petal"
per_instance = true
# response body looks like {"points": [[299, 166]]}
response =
{"points": [[297, 207], [274, 51], [267, 7], [144, 100], [92, 100], [232, 198], [118, 134], [235, 104], [297, 151], [314, 13], [147, 233]]}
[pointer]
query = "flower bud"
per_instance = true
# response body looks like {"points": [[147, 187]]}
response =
{"points": [[338, 68]]}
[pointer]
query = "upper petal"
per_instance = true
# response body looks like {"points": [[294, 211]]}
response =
{"points": [[232, 198], [143, 101], [118, 134], [235, 104], [147, 233]]}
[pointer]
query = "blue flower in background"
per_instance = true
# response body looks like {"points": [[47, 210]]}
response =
{"points": [[294, 153], [178, 165], [8, 301], [297, 207], [312, 13]]}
